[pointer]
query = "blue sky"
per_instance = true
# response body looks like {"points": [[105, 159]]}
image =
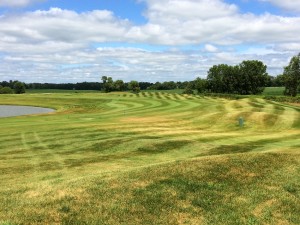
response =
{"points": [[144, 40]]}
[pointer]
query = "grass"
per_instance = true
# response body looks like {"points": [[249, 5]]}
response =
{"points": [[30, 91], [149, 158], [173, 91], [273, 91]]}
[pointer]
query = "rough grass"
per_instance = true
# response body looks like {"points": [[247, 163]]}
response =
{"points": [[152, 158]]}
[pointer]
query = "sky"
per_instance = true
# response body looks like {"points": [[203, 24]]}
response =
{"points": [[57, 41]]}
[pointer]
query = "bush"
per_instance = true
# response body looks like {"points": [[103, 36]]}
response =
{"points": [[6, 90], [188, 91], [283, 99]]}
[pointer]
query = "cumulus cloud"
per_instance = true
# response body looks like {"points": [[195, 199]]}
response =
{"points": [[61, 45], [59, 26], [17, 3], [210, 48], [170, 23], [214, 21], [291, 5]]}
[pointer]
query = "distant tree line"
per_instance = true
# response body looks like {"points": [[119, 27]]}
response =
{"points": [[66, 86], [248, 77], [11, 87], [109, 85]]}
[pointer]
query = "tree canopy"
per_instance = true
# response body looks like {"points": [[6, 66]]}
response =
{"points": [[134, 86], [292, 76], [249, 77], [19, 88]]}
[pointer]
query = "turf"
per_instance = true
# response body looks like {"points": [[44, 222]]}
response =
{"points": [[273, 91], [149, 158]]}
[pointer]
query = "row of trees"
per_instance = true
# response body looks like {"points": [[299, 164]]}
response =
{"points": [[249, 77], [11, 87], [109, 85], [66, 86]]}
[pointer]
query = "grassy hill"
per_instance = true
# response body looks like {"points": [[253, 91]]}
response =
{"points": [[150, 158]]}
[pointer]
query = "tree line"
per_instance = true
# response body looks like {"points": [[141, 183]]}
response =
{"points": [[248, 77], [11, 87]]}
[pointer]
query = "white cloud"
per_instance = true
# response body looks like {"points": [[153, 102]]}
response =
{"points": [[213, 21], [288, 47], [17, 3], [64, 27], [291, 5], [210, 48], [59, 45]]}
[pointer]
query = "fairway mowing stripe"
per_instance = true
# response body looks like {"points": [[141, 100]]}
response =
{"points": [[287, 119], [34, 160]]}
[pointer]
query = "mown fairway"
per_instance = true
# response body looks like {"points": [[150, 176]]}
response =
{"points": [[151, 158]]}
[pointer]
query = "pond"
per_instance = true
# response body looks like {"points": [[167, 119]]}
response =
{"points": [[11, 110]]}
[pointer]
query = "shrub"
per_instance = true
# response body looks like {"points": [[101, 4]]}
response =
{"points": [[6, 90]]}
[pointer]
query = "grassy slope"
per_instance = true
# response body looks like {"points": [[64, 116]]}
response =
{"points": [[152, 158]]}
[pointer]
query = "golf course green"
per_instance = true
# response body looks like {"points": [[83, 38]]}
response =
{"points": [[149, 158]]}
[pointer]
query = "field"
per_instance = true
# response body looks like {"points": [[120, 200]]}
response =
{"points": [[273, 91], [150, 158]]}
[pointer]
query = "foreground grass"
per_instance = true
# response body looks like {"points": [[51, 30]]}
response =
{"points": [[151, 158]]}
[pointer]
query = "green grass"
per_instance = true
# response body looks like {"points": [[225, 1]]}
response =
{"points": [[58, 91], [273, 91], [149, 158], [173, 91]]}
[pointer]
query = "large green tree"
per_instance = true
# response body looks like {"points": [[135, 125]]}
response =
{"points": [[292, 76], [215, 78], [19, 88], [200, 85], [108, 84], [253, 77], [249, 77], [119, 85], [134, 86]]}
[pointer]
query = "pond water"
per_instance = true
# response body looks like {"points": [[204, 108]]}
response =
{"points": [[10, 110]]}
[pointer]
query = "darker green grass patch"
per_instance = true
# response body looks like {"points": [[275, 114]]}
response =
{"points": [[18, 169], [246, 147], [175, 96], [257, 107], [150, 137], [293, 189], [270, 119], [50, 165], [278, 107], [55, 146], [167, 96], [107, 145], [237, 105], [231, 149], [163, 147]]}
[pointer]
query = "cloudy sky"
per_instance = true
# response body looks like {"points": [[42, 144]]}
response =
{"points": [[145, 40]]}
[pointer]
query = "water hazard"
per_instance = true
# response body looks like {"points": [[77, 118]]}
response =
{"points": [[10, 110]]}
